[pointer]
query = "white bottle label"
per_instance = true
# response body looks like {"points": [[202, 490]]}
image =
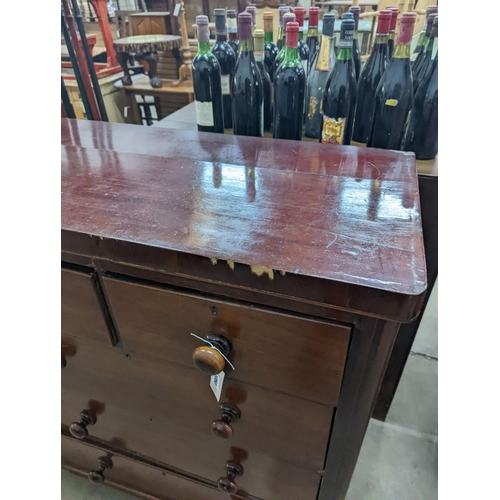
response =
{"points": [[204, 114], [216, 382], [224, 82]]}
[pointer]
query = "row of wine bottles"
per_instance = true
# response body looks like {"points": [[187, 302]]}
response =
{"points": [[263, 86]]}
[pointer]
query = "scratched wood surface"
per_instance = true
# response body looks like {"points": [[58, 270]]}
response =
{"points": [[344, 214]]}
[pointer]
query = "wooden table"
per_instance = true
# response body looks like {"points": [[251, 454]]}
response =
{"points": [[295, 261], [185, 119], [144, 47]]}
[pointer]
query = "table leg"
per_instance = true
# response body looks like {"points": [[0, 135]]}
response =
{"points": [[152, 59], [123, 58]]}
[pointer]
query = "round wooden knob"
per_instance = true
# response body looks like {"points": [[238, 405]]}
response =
{"points": [[227, 484], [97, 476], [79, 429], [210, 360], [222, 429]]}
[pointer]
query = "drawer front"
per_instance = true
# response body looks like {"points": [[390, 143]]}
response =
{"points": [[134, 476], [81, 313], [164, 411], [298, 356]]}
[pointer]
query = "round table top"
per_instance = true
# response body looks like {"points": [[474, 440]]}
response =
{"points": [[140, 44]]}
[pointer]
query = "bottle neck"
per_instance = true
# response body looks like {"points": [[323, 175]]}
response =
{"points": [[421, 38], [381, 39], [232, 29], [402, 51], [280, 33], [233, 37], [291, 54], [430, 45], [221, 37], [301, 33], [391, 35], [355, 36], [246, 46], [268, 37], [312, 32], [203, 48], [344, 54]]}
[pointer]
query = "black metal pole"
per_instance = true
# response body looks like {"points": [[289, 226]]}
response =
{"points": [[90, 63], [76, 69], [68, 107]]}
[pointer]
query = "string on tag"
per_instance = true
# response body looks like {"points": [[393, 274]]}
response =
{"points": [[213, 347]]}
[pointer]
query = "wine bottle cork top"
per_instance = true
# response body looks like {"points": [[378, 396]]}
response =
{"points": [[284, 9], [268, 15], [328, 24], [394, 19], [220, 21], [253, 11], [406, 28], [289, 17], [384, 22], [431, 9], [434, 31], [348, 15], [300, 13], [245, 25], [201, 20], [292, 34], [203, 31], [258, 33], [231, 13], [313, 16]]}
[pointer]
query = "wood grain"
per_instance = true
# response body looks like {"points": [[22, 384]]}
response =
{"points": [[165, 411]]}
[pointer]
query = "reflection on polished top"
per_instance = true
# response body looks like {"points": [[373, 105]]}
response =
{"points": [[340, 213]]}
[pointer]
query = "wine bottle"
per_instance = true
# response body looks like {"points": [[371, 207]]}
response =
{"points": [[425, 67], [319, 72], [258, 37], [370, 77], [312, 33], [207, 83], [232, 30], [356, 54], [290, 83], [281, 32], [287, 18], [300, 13], [227, 61], [345, 15], [421, 55], [422, 134], [392, 30], [270, 49], [253, 11], [339, 100], [394, 95], [431, 9], [248, 90]]}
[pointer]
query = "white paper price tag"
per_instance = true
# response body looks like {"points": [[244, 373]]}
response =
{"points": [[176, 10], [216, 382]]}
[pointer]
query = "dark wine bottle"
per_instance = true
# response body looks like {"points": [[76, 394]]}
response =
{"points": [[431, 9], [370, 77], [321, 65], [345, 15], [394, 95], [392, 30], [290, 84], [339, 100], [422, 134], [312, 33], [287, 18], [300, 13], [270, 49], [232, 30], [356, 54], [425, 67], [258, 38], [281, 32], [253, 11], [415, 67], [227, 61], [207, 83], [248, 90]]}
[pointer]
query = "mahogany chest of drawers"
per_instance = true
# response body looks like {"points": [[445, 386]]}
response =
{"points": [[287, 266]]}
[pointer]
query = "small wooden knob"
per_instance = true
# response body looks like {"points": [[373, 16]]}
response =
{"points": [[210, 360], [227, 484], [222, 429], [97, 476], [79, 429]]}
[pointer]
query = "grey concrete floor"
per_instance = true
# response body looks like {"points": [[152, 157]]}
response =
{"points": [[398, 460]]}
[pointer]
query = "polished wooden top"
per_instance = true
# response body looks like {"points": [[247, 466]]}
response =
{"points": [[340, 213], [140, 44]]}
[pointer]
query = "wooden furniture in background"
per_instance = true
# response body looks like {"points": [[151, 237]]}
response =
{"points": [[153, 23], [185, 68], [287, 252]]}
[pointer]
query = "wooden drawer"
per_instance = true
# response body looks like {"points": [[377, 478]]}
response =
{"points": [[287, 353], [165, 410], [81, 312], [135, 477]]}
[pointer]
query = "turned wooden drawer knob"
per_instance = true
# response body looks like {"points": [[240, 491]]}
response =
{"points": [[209, 360], [227, 484], [222, 429], [79, 429], [97, 476]]}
